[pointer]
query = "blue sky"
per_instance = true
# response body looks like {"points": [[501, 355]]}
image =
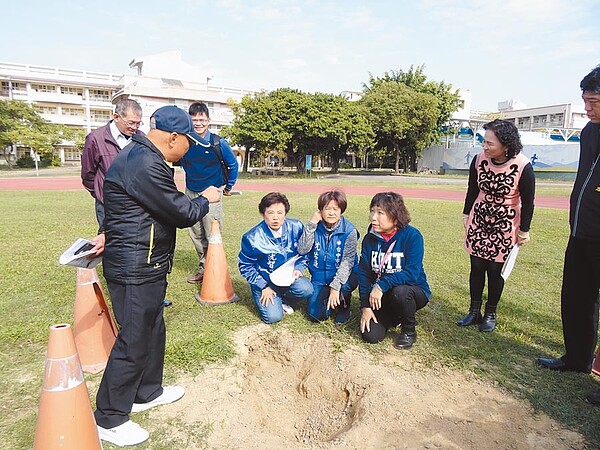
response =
{"points": [[536, 51]]}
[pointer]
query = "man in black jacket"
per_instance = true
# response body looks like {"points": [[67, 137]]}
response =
{"points": [[143, 210], [581, 273]]}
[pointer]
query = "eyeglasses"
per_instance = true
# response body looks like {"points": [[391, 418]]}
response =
{"points": [[131, 123], [202, 121]]}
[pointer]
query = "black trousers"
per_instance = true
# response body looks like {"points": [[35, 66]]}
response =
{"points": [[134, 370], [579, 301], [479, 268], [398, 306]]}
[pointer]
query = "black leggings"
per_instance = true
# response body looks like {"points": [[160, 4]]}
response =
{"points": [[398, 306], [479, 267]]}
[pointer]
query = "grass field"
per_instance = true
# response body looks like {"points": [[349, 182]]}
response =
{"points": [[35, 293]]}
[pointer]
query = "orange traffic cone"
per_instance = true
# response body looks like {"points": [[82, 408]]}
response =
{"points": [[596, 363], [65, 420], [93, 326], [216, 284]]}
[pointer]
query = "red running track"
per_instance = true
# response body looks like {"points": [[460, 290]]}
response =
{"points": [[74, 183]]}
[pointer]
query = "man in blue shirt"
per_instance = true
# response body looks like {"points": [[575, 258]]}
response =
{"points": [[203, 168]]}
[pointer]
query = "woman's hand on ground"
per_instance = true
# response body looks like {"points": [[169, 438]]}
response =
{"points": [[365, 319], [334, 299]]}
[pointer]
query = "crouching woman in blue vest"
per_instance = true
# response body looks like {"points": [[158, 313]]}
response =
{"points": [[265, 248], [329, 240], [392, 280]]}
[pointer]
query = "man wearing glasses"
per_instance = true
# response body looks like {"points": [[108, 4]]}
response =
{"points": [[104, 144], [203, 169]]}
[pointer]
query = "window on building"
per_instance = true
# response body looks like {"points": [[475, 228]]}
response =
{"points": [[99, 94], [69, 90], [556, 119], [73, 112], [72, 154], [19, 87], [44, 109], [99, 115], [47, 88], [16, 87]]}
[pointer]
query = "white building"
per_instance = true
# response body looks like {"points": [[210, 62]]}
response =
{"points": [[565, 119], [86, 99]]}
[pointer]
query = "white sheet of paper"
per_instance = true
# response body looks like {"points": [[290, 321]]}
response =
{"points": [[284, 274], [509, 264]]}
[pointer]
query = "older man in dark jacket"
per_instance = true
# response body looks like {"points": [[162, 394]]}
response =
{"points": [[143, 210], [104, 144], [581, 273]]}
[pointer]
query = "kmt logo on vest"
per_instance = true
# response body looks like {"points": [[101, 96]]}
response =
{"points": [[393, 263]]}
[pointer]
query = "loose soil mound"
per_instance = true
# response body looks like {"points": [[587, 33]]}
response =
{"points": [[290, 391]]}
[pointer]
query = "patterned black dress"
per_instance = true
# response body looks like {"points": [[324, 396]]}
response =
{"points": [[495, 216]]}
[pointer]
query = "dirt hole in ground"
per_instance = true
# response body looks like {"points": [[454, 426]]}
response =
{"points": [[298, 391]]}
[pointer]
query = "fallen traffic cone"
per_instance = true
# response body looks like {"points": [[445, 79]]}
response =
{"points": [[65, 419], [596, 363], [216, 284], [94, 329]]}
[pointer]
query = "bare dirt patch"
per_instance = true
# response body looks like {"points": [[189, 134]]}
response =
{"points": [[291, 391]]}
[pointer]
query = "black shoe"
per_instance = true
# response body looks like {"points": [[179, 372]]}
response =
{"points": [[343, 315], [593, 397], [167, 303], [472, 318], [559, 365], [488, 323], [406, 340]]}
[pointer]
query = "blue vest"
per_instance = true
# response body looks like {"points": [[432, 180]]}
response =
{"points": [[326, 253]]}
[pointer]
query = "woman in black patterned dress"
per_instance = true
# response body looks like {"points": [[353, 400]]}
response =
{"points": [[497, 215]]}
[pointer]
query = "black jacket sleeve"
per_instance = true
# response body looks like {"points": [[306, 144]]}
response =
{"points": [[473, 189], [152, 186], [527, 192]]}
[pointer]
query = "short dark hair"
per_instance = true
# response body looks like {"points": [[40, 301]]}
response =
{"points": [[271, 199], [508, 135], [591, 82], [337, 196], [128, 105], [198, 108], [393, 204]]}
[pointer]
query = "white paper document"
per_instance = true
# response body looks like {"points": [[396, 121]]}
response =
{"points": [[509, 264], [80, 254], [284, 274]]}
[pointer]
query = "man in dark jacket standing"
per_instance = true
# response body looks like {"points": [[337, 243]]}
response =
{"points": [[104, 144], [143, 210], [581, 273]]}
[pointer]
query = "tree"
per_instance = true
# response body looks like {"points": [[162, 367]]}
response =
{"points": [[403, 119], [296, 124], [416, 79], [21, 125], [417, 125]]}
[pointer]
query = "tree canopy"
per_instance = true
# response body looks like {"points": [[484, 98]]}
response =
{"points": [[21, 125], [297, 124], [408, 112]]}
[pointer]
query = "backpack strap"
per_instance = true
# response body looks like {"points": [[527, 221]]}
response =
{"points": [[216, 145]]}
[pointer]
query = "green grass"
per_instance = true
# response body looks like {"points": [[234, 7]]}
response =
{"points": [[35, 293]]}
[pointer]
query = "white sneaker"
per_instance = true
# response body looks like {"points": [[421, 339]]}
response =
{"points": [[170, 394], [128, 433], [287, 309]]}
